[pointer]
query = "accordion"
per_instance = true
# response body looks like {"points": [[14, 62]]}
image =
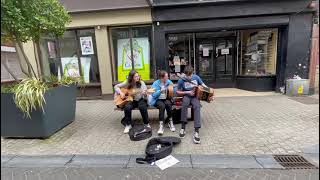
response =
{"points": [[204, 93]]}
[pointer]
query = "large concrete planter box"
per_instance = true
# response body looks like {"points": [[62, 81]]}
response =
{"points": [[59, 111]]}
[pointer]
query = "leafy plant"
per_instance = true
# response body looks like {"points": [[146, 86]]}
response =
{"points": [[29, 95], [67, 80], [51, 80], [8, 88]]}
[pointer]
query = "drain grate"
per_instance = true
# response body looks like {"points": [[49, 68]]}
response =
{"points": [[294, 162]]}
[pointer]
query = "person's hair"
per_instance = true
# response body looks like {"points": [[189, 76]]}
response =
{"points": [[162, 73], [188, 70], [130, 80]]}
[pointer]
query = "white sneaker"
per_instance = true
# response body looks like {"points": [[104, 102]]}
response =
{"points": [[148, 125], [161, 129], [171, 126], [182, 133], [127, 128], [196, 138]]}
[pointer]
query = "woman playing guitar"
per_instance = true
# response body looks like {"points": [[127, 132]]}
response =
{"points": [[139, 99]]}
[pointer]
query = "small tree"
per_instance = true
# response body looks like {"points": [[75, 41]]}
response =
{"points": [[28, 20]]}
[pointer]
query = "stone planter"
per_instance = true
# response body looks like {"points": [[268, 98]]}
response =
{"points": [[59, 111]]}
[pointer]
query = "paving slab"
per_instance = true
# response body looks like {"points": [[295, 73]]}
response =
{"points": [[313, 149], [6, 158], [39, 161], [225, 161], [99, 161]]}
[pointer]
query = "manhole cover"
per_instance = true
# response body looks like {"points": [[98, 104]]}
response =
{"points": [[294, 162], [305, 100]]}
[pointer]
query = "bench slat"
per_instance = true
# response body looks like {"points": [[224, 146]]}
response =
{"points": [[151, 108]]}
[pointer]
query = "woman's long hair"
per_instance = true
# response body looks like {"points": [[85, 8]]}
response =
{"points": [[130, 80]]}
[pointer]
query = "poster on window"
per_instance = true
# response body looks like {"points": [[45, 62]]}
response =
{"points": [[140, 58], [85, 63], [86, 45], [70, 67]]}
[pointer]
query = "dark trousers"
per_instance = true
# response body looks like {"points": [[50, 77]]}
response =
{"points": [[162, 105], [195, 108], [143, 107]]}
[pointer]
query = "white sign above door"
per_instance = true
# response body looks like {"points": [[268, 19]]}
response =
{"points": [[225, 51]]}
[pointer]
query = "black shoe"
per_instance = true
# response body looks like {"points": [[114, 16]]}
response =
{"points": [[182, 133], [196, 138]]}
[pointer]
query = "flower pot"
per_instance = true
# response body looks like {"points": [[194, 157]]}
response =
{"points": [[59, 111]]}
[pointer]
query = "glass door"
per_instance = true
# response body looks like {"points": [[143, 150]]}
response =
{"points": [[205, 65], [224, 59], [215, 59]]}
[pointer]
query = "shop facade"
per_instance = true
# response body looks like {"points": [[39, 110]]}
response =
{"points": [[246, 44], [249, 45]]}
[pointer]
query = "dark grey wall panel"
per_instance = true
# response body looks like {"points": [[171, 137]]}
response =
{"points": [[298, 48], [160, 49], [219, 24], [228, 10], [282, 57]]}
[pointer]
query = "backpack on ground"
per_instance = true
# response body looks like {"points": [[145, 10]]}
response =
{"points": [[140, 132], [158, 148]]}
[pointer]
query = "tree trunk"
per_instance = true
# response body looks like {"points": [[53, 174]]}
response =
{"points": [[26, 59], [36, 53], [20, 57]]}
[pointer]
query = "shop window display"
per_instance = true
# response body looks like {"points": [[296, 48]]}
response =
{"points": [[131, 50], [76, 48], [258, 52]]}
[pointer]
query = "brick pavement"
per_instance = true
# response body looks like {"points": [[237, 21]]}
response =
{"points": [[231, 125]]}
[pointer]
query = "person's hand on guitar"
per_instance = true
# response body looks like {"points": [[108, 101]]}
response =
{"points": [[122, 95], [144, 92]]}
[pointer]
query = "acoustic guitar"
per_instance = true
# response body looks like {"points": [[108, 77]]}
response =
{"points": [[129, 93]]}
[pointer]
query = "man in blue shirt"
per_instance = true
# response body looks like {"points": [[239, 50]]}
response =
{"points": [[187, 88]]}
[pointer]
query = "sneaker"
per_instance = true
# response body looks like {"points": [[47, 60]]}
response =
{"points": [[182, 133], [161, 129], [148, 125], [196, 138], [171, 126], [127, 128]]}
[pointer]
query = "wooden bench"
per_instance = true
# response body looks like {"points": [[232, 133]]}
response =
{"points": [[174, 107]]}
